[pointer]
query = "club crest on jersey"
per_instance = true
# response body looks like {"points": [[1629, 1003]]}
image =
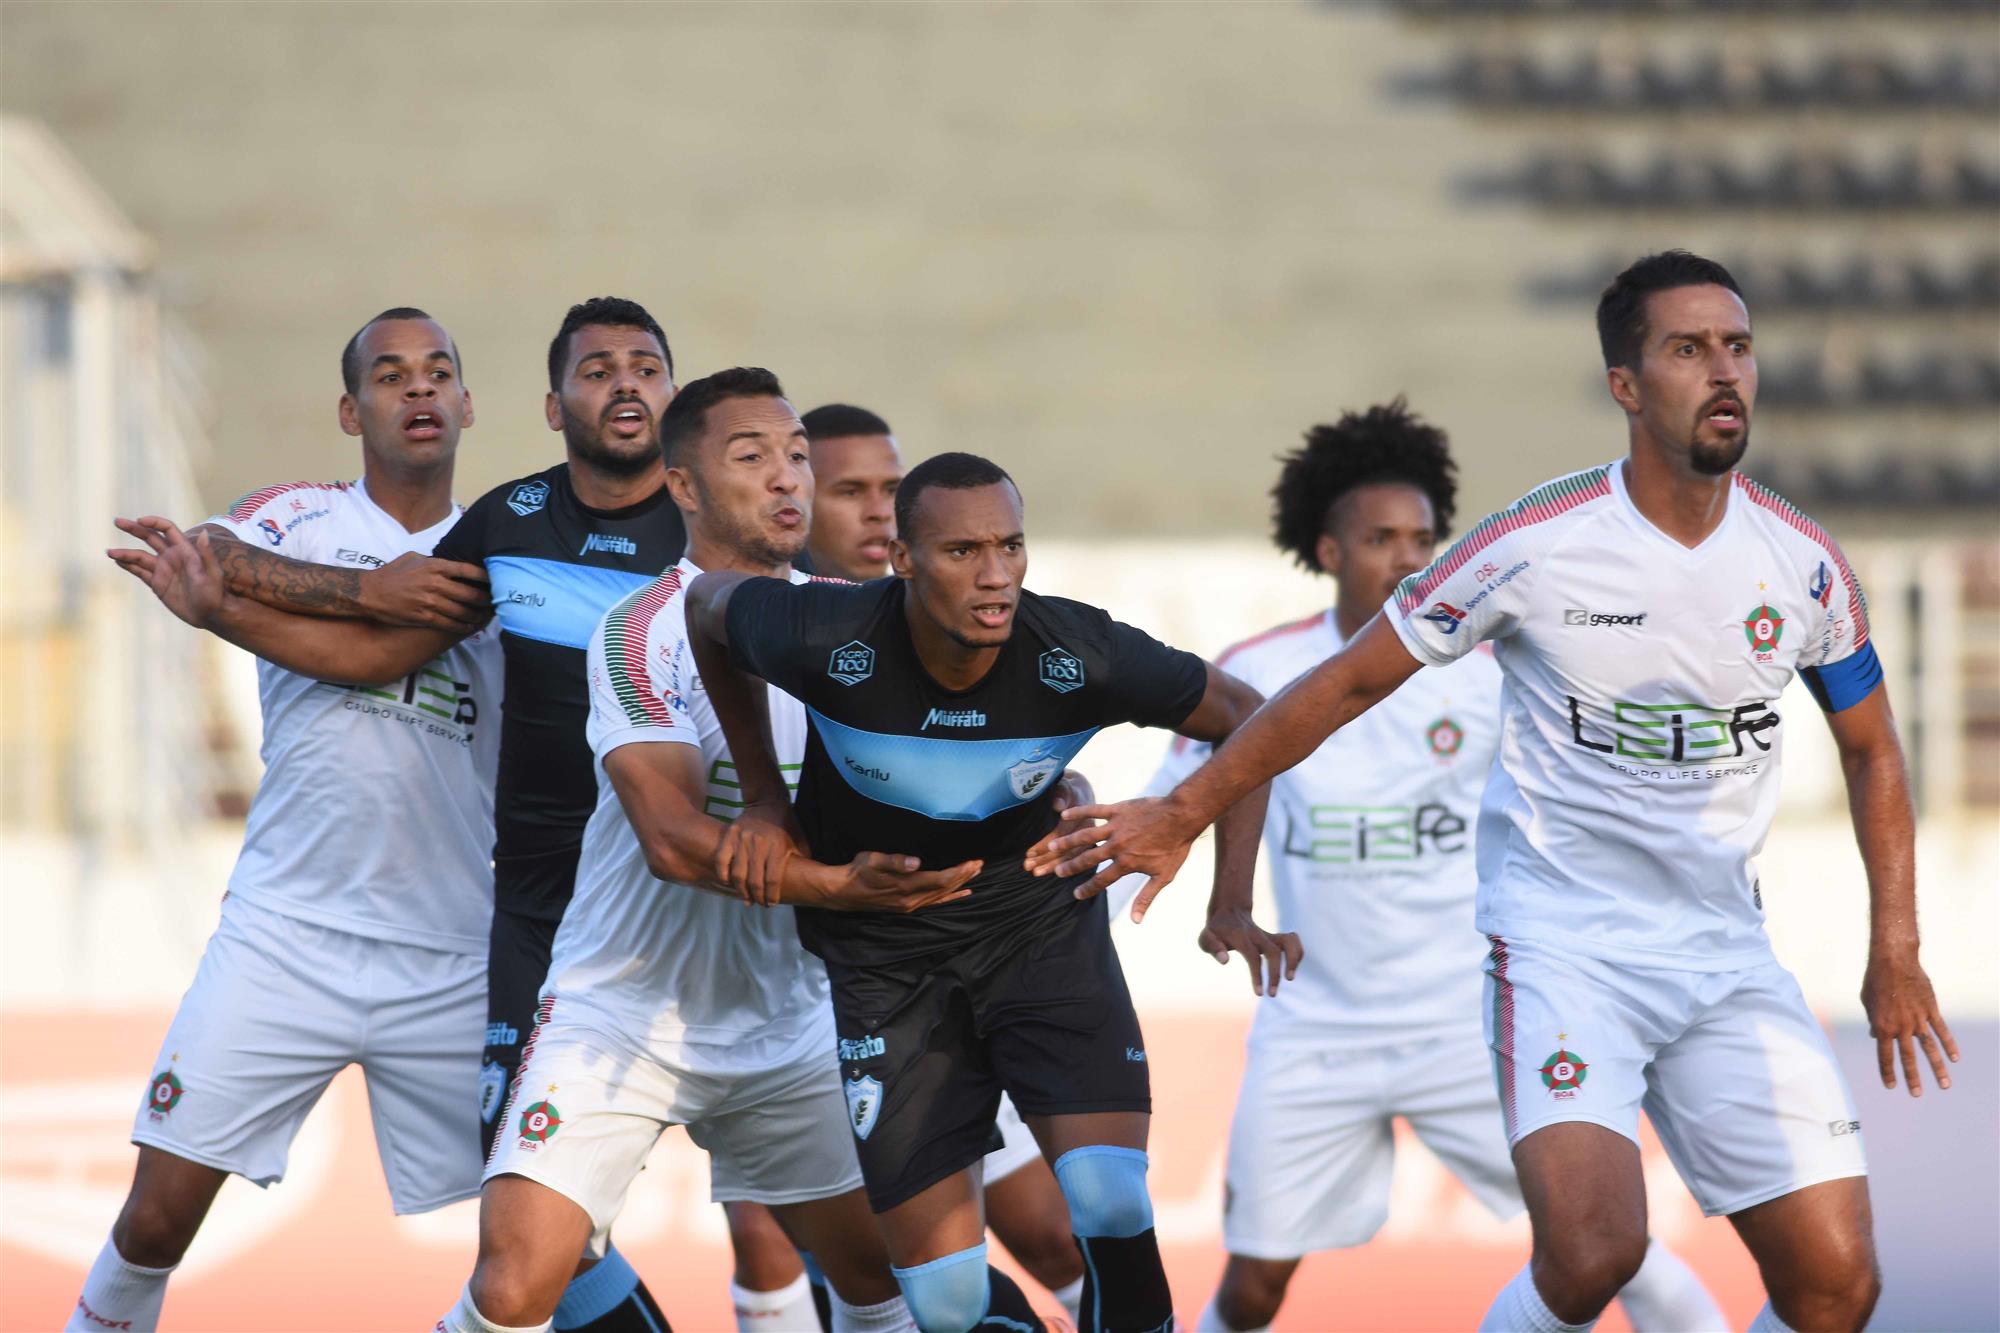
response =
{"points": [[851, 663], [1446, 737], [1027, 778], [1445, 616], [528, 497], [492, 1083], [540, 1122], [1062, 670], [272, 532], [864, 1104], [1764, 627], [165, 1093], [1821, 587], [1563, 1073]]}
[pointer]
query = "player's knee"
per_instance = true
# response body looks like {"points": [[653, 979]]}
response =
{"points": [[1251, 1291], [1049, 1254], [947, 1295], [1838, 1289], [511, 1295], [152, 1233], [1583, 1271], [1105, 1188]]}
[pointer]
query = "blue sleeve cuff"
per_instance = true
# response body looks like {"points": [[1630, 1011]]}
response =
{"points": [[1843, 684]]}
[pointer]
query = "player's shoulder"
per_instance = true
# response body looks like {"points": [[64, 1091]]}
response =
{"points": [[526, 496], [654, 610], [298, 496], [1064, 622], [1283, 649], [1776, 516]]}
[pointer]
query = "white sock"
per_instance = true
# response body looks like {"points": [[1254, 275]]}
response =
{"points": [[1665, 1296], [789, 1309], [1211, 1321], [1767, 1321], [465, 1318], [119, 1295], [891, 1316], [1071, 1299], [1519, 1308]]}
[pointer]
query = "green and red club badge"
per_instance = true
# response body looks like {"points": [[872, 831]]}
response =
{"points": [[1565, 1070], [540, 1122], [1764, 627], [1445, 737], [166, 1092]]}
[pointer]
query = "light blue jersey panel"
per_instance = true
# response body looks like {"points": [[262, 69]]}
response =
{"points": [[946, 779], [556, 602]]}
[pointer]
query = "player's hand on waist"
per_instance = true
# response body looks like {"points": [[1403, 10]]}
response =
{"points": [[1902, 1014], [885, 882], [1271, 957], [751, 855], [424, 592]]}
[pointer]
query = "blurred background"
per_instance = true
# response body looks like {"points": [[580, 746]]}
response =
{"points": [[1129, 251]]}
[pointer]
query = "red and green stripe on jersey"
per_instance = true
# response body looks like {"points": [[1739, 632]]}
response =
{"points": [[625, 651], [1537, 506], [1790, 515], [246, 508]]}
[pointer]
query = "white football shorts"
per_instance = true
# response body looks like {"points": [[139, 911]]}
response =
{"points": [[277, 1008], [1731, 1067], [588, 1105], [1312, 1144]]}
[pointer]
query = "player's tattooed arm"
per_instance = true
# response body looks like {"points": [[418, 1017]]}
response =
{"points": [[1895, 991], [1151, 835], [663, 788], [187, 575], [411, 590]]}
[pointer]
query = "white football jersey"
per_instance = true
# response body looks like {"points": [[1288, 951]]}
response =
{"points": [[710, 982], [375, 814], [1370, 844], [1640, 733]]}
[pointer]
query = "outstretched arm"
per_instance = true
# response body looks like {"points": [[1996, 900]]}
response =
{"points": [[189, 579], [662, 788], [1152, 836], [1902, 1008], [411, 590]]}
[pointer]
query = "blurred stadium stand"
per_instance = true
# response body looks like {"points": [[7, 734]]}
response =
{"points": [[108, 747]]}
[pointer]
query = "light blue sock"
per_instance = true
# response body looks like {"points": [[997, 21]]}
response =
{"points": [[608, 1284]]}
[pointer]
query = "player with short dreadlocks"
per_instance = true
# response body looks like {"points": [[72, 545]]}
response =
{"points": [[1371, 848]]}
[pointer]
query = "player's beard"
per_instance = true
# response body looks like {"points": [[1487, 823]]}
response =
{"points": [[625, 458], [750, 540], [1712, 458]]}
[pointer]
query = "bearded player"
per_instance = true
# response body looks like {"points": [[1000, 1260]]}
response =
{"points": [[1646, 614], [1370, 841]]}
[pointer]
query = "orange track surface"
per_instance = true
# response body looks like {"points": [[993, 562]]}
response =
{"points": [[321, 1251]]}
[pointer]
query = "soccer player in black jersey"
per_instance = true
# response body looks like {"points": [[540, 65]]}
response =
{"points": [[558, 548], [944, 703]]}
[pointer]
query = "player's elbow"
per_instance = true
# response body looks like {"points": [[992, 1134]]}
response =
{"points": [[666, 860], [1239, 701]]}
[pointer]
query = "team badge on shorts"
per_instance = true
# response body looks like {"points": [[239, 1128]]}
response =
{"points": [[492, 1084], [864, 1103], [540, 1122], [165, 1094], [1764, 627], [1445, 737], [1563, 1073]]}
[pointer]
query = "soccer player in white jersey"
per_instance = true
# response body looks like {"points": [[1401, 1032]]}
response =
{"points": [[1645, 615], [1370, 841], [333, 949], [668, 1000]]}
